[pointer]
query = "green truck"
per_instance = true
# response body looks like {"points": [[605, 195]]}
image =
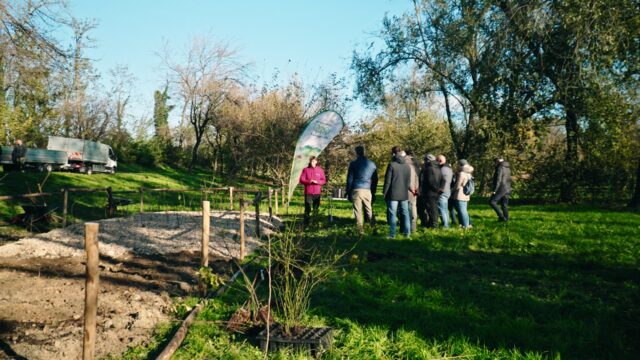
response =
{"points": [[67, 154], [40, 159]]}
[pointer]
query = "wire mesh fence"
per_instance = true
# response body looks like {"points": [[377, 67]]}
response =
{"points": [[41, 212]]}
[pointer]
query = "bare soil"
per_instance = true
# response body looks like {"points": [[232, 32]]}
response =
{"points": [[146, 262]]}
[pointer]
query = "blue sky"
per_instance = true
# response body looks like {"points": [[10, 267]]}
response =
{"points": [[311, 38]]}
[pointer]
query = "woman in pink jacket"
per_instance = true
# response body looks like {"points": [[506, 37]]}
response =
{"points": [[312, 178]]}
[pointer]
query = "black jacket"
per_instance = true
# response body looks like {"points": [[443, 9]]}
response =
{"points": [[502, 178], [19, 151], [396, 180], [431, 179]]}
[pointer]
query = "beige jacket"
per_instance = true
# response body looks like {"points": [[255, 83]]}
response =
{"points": [[413, 181], [462, 178]]}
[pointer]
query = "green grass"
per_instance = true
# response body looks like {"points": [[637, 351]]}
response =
{"points": [[556, 282]]}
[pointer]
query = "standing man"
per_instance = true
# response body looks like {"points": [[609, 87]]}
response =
{"points": [[501, 189], [445, 189], [396, 193], [362, 181], [414, 185], [18, 155], [431, 182]]}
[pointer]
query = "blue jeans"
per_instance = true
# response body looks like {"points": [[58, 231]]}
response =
{"points": [[443, 208], [405, 219], [463, 215]]}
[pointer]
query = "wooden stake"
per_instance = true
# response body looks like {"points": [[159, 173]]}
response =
{"points": [[205, 233], [283, 191], [257, 202], [110, 204], [276, 201], [65, 206], [91, 290], [270, 204], [241, 228], [231, 198], [141, 199]]}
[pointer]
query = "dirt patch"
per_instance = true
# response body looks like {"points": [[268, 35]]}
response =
{"points": [[145, 260]]}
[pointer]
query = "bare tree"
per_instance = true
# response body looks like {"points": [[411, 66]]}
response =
{"points": [[203, 82], [120, 95]]}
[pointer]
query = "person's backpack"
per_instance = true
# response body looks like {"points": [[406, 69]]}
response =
{"points": [[469, 187]]}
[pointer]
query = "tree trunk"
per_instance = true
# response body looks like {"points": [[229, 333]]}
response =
{"points": [[635, 201], [567, 185], [194, 152], [452, 129]]}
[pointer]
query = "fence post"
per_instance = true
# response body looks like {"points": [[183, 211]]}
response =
{"points": [[276, 191], [141, 199], [65, 205], [91, 290], [205, 233], [283, 191], [257, 203], [270, 204], [110, 204], [241, 227], [230, 197]]}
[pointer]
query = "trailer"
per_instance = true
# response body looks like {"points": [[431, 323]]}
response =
{"points": [[39, 159], [69, 154], [84, 155]]}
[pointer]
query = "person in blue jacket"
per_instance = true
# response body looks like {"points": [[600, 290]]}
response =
{"points": [[362, 180]]}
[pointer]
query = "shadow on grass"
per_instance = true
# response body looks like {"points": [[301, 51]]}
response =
{"points": [[547, 304]]}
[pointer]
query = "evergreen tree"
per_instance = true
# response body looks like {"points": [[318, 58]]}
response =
{"points": [[161, 113]]}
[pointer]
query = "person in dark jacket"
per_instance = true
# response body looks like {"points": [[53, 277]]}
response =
{"points": [[396, 193], [18, 155], [312, 178], [362, 181], [431, 182], [501, 189]]}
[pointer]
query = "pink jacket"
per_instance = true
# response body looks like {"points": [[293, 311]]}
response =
{"points": [[309, 173]]}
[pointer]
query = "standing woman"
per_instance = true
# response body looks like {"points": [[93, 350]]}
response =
{"points": [[461, 200], [312, 178]]}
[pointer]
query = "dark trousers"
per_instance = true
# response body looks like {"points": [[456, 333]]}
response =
{"points": [[422, 210], [501, 198], [431, 203], [18, 164], [309, 201], [452, 212]]}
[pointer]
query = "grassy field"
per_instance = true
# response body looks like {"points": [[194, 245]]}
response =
{"points": [[558, 281], [92, 206]]}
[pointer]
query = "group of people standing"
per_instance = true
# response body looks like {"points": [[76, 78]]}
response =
{"points": [[430, 191]]}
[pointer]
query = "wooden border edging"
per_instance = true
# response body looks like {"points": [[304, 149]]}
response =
{"points": [[181, 333], [25, 196]]}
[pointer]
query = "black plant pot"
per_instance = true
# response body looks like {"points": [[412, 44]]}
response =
{"points": [[316, 340]]}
